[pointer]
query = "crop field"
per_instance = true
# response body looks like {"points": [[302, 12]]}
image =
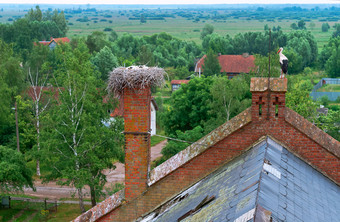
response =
{"points": [[86, 22]]}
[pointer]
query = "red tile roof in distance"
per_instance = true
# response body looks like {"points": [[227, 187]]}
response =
{"points": [[175, 82], [57, 40], [231, 63]]}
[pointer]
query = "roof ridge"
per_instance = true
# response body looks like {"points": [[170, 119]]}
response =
{"points": [[312, 131]]}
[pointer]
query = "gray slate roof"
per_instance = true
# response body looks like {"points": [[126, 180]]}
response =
{"points": [[267, 177]]}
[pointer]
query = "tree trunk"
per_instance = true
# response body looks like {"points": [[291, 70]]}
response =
{"points": [[38, 167], [81, 202], [38, 142], [93, 196]]}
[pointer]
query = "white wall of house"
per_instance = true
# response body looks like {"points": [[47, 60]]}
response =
{"points": [[153, 119]]}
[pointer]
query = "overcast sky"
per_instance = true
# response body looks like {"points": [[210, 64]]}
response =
{"points": [[157, 2]]}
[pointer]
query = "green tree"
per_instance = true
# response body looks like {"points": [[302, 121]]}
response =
{"points": [[34, 15], [105, 61], [294, 26], [14, 174], [113, 36], [142, 18], [301, 24], [330, 123], [297, 99], [96, 41], [229, 98], [81, 144], [325, 27], [336, 33], [189, 106], [207, 30], [211, 64]]}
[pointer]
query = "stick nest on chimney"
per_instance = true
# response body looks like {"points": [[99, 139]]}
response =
{"points": [[134, 77]]}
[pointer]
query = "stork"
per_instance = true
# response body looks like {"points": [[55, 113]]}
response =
{"points": [[283, 63]]}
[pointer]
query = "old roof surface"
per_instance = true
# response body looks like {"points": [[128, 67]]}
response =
{"points": [[267, 176], [231, 63]]}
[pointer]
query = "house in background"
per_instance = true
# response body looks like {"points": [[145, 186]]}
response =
{"points": [[119, 111], [266, 164], [54, 41], [176, 84], [232, 65]]}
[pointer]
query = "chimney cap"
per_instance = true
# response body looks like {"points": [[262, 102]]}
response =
{"points": [[261, 84], [134, 77]]}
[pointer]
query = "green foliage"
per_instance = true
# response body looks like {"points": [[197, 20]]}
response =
{"points": [[96, 41], [207, 30], [336, 33], [174, 147], [211, 64], [301, 24], [330, 57], [325, 27], [189, 106], [330, 123], [229, 98], [14, 174], [297, 98], [105, 62], [82, 145], [33, 27]]}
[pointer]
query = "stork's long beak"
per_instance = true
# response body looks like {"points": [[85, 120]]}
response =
{"points": [[278, 51]]}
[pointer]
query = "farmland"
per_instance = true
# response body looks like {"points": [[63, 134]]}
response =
{"points": [[187, 24]]}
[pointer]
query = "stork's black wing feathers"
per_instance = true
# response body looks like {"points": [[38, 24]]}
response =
{"points": [[284, 66]]}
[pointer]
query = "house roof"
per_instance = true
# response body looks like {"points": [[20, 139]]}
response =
{"points": [[57, 40], [231, 63], [293, 149], [179, 81], [267, 177]]}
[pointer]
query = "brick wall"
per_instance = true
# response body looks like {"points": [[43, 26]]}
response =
{"points": [[230, 147], [137, 140]]}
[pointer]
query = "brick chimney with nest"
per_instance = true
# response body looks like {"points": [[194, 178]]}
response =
{"points": [[134, 85]]}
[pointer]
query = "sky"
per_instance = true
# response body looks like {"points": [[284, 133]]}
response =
{"points": [[157, 2]]}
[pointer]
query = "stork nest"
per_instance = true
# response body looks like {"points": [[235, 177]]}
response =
{"points": [[134, 77]]}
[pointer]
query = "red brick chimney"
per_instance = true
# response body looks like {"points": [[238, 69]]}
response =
{"points": [[133, 84], [275, 98], [137, 140]]}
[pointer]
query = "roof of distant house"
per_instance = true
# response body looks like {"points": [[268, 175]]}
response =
{"points": [[231, 63], [175, 82], [57, 40]]}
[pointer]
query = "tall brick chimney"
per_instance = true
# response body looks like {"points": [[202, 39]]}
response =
{"points": [[137, 140], [134, 85], [268, 104]]}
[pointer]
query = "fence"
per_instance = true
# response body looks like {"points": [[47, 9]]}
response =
{"points": [[332, 96]]}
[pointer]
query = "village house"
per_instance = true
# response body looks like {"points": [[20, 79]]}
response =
{"points": [[54, 41], [266, 164], [176, 84], [232, 65]]}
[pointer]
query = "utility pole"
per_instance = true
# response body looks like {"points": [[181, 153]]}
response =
{"points": [[17, 125]]}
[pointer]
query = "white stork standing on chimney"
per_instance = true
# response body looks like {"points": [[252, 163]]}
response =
{"points": [[283, 63]]}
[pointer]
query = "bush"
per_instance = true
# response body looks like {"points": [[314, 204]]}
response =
{"points": [[107, 29]]}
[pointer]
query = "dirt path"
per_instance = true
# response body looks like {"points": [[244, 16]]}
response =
{"points": [[54, 191]]}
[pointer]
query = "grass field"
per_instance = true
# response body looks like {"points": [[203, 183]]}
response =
{"points": [[23, 211], [179, 27]]}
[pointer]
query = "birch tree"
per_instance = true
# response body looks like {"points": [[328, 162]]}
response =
{"points": [[37, 84], [79, 145]]}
